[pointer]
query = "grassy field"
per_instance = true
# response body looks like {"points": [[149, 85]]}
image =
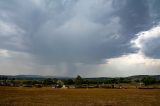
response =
{"points": [[12, 96]]}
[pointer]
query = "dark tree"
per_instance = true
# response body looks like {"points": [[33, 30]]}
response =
{"points": [[78, 80], [69, 82], [55, 81], [48, 81], [149, 80]]}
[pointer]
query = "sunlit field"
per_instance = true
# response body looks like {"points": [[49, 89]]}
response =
{"points": [[21, 96]]}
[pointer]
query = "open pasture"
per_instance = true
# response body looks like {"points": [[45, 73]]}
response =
{"points": [[20, 96]]}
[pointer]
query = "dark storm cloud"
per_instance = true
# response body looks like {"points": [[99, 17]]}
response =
{"points": [[154, 11], [73, 31], [134, 16], [88, 33]]}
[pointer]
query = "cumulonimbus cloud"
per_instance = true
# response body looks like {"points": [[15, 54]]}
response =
{"points": [[87, 31], [69, 32]]}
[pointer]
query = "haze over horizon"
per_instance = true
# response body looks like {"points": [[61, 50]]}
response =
{"points": [[92, 38]]}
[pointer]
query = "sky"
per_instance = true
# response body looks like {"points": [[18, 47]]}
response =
{"points": [[91, 38]]}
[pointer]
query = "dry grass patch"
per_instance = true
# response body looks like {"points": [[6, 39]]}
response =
{"points": [[10, 96]]}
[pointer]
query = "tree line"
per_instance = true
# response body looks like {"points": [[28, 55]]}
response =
{"points": [[78, 81]]}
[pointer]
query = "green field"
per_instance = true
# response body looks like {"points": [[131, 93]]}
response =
{"points": [[20, 96]]}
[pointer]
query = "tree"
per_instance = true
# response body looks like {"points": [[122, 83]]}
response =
{"points": [[149, 80], [124, 80], [114, 81], [60, 83], [48, 81], [55, 81], [69, 82], [78, 80]]}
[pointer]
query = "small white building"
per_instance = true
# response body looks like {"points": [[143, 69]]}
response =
{"points": [[64, 87]]}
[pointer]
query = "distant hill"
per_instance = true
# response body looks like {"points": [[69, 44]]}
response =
{"points": [[139, 77], [39, 77], [32, 77]]}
